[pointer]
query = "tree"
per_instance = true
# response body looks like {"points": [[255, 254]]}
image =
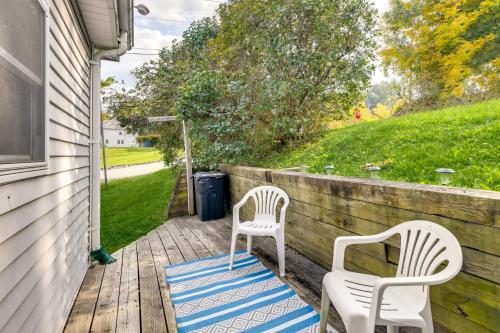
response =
{"points": [[158, 87], [106, 89], [279, 71], [440, 48], [385, 93], [266, 73]]}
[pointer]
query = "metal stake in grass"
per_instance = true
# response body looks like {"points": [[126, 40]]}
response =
{"points": [[329, 169], [445, 175], [373, 170]]}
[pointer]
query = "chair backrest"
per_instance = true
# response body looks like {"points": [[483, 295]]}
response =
{"points": [[425, 246], [266, 199]]}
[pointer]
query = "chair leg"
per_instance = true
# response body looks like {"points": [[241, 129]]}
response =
{"points": [[427, 315], [249, 244], [392, 329], [234, 236], [280, 245], [325, 306]]}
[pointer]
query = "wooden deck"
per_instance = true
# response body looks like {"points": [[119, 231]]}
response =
{"points": [[131, 295]]}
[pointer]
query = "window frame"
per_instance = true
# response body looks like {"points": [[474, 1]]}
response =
{"points": [[11, 172]]}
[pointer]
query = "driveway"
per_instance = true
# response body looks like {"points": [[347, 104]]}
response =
{"points": [[133, 170]]}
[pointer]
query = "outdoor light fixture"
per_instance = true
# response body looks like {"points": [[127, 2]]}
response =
{"points": [[304, 168], [373, 170], [445, 175], [142, 9], [329, 169]]}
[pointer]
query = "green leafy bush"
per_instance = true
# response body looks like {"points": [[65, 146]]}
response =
{"points": [[154, 138], [262, 76]]}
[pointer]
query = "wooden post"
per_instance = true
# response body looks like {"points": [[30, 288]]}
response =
{"points": [[103, 144], [189, 167]]}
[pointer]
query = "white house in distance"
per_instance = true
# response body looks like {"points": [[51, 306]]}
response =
{"points": [[50, 58], [117, 136]]}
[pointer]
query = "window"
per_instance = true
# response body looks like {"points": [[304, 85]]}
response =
{"points": [[119, 133], [118, 141], [107, 141], [23, 84]]}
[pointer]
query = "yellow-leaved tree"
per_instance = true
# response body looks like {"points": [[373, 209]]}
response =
{"points": [[443, 48]]}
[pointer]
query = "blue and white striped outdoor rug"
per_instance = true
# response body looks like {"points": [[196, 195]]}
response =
{"points": [[209, 298]]}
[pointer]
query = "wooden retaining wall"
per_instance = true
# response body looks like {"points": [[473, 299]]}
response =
{"points": [[177, 206], [324, 207]]}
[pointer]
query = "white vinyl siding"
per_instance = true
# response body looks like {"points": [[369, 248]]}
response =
{"points": [[43, 220]]}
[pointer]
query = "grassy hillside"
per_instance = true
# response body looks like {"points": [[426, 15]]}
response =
{"points": [[464, 138], [127, 156], [132, 207]]}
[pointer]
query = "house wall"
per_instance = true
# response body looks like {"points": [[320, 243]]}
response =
{"points": [[44, 220], [325, 207], [111, 137]]}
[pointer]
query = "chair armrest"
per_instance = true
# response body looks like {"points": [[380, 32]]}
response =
{"points": [[342, 242], [383, 283], [236, 210], [282, 218], [425, 280]]}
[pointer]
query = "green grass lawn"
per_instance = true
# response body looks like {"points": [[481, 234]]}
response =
{"points": [[132, 207], [464, 138], [127, 156]]}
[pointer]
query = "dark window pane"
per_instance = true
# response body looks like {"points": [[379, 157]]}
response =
{"points": [[21, 32], [22, 91]]}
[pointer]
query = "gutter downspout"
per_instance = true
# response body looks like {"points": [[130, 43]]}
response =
{"points": [[95, 140]]}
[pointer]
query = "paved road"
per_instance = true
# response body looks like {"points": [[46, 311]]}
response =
{"points": [[134, 170]]}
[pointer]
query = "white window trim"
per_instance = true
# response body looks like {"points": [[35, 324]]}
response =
{"points": [[12, 172]]}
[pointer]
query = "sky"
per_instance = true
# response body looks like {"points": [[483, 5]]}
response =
{"points": [[166, 22]]}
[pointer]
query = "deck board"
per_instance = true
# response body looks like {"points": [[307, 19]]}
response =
{"points": [[131, 295], [186, 249], [128, 319], [152, 312], [198, 247], [161, 259], [84, 307], [107, 304], [173, 252], [214, 249]]}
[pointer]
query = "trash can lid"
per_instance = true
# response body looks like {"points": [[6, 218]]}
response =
{"points": [[210, 174]]}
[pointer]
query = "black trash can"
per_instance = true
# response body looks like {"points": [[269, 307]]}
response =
{"points": [[209, 195]]}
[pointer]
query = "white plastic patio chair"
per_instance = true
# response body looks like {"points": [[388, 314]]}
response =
{"points": [[266, 199], [364, 301]]}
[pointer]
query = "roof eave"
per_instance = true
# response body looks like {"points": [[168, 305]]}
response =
{"points": [[106, 20]]}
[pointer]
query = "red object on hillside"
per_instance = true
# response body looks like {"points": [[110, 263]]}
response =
{"points": [[357, 114]]}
